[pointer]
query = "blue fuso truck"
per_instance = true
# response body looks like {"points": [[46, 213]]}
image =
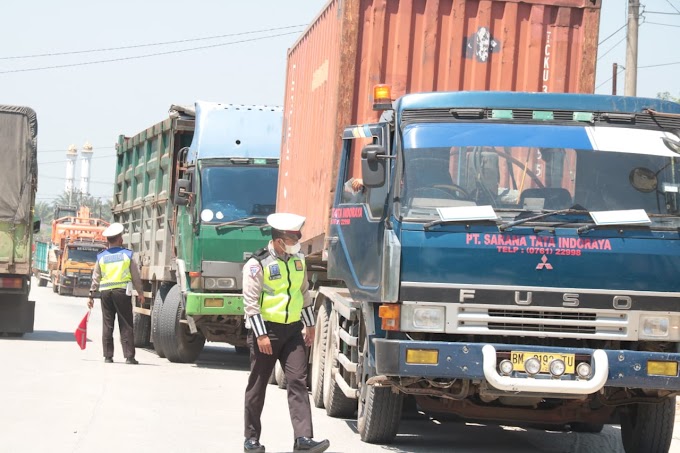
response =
{"points": [[515, 258]]}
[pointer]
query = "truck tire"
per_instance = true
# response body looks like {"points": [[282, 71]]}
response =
{"points": [[155, 314], [178, 344], [141, 326], [319, 353], [336, 403], [280, 376], [648, 427], [593, 428], [379, 411], [42, 282]]}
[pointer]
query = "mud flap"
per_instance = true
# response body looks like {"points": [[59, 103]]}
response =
{"points": [[16, 314]]}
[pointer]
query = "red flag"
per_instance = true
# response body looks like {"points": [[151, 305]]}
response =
{"points": [[81, 331]]}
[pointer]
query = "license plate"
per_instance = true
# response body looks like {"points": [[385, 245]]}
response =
{"points": [[519, 357]]}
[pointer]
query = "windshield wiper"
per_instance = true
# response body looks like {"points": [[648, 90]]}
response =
{"points": [[241, 222], [429, 225], [543, 215]]}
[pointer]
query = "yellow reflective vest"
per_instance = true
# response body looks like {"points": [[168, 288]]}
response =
{"points": [[281, 298], [114, 265]]}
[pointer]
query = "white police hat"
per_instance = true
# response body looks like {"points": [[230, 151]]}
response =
{"points": [[286, 222], [113, 230]]}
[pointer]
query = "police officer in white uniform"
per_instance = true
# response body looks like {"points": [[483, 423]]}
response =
{"points": [[277, 306], [112, 274]]}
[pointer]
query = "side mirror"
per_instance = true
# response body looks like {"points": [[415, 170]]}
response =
{"points": [[373, 168], [36, 226], [182, 192]]}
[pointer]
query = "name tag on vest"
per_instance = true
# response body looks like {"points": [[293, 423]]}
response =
{"points": [[298, 265]]}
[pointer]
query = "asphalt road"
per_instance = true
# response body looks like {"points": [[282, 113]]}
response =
{"points": [[57, 398]]}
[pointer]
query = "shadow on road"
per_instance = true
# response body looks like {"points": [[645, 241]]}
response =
{"points": [[425, 435], [44, 335], [225, 358]]}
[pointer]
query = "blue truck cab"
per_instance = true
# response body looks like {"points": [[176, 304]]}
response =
{"points": [[514, 257]]}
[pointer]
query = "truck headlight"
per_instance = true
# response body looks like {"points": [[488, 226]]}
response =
{"points": [[656, 327], [219, 283], [429, 318]]}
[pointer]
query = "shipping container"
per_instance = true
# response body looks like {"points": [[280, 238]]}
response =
{"points": [[416, 46]]}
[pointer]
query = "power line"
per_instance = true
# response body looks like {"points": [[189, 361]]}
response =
{"points": [[640, 67], [137, 46], [147, 55], [605, 39], [612, 48], [42, 151], [618, 72], [667, 25], [64, 179], [66, 160], [659, 65], [673, 6], [662, 12]]}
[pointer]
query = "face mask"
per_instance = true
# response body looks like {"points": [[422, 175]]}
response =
{"points": [[292, 249]]}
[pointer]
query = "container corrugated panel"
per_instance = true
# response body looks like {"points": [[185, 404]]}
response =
{"points": [[143, 190], [417, 46]]}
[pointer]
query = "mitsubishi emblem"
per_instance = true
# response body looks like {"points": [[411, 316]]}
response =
{"points": [[544, 264]]}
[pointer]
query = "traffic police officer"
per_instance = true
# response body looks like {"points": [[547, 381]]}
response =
{"points": [[113, 273], [277, 306]]}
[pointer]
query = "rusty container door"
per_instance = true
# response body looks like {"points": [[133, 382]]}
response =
{"points": [[416, 46]]}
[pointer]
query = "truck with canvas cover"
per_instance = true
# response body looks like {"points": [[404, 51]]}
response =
{"points": [[511, 256], [76, 241], [18, 150], [194, 192]]}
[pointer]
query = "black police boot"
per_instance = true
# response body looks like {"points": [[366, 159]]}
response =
{"points": [[310, 445], [108, 359], [253, 446], [131, 361]]}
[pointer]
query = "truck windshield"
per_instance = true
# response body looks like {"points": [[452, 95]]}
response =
{"points": [[561, 169], [83, 254], [236, 192]]}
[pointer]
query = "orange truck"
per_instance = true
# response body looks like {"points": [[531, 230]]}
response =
{"points": [[76, 241]]}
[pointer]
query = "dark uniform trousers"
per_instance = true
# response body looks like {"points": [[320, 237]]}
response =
{"points": [[116, 301], [288, 347]]}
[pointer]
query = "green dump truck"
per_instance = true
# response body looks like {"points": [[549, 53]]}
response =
{"points": [[193, 193], [18, 184]]}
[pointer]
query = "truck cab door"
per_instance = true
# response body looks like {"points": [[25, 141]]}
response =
{"points": [[361, 251]]}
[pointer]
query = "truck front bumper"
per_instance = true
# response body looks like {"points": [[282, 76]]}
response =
{"points": [[479, 361], [207, 304]]}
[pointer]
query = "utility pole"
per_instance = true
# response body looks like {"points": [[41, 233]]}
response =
{"points": [[632, 47], [615, 73]]}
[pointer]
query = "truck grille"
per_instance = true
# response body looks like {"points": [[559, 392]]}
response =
{"points": [[543, 322]]}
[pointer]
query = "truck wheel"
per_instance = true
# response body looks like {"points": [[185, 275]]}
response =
{"points": [[379, 410], [178, 344], [42, 282], [141, 326], [648, 427], [319, 353], [155, 313], [593, 428], [280, 376], [335, 401]]}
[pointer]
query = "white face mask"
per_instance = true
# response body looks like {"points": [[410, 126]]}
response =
{"points": [[292, 249]]}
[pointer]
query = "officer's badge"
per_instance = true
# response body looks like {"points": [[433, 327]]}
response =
{"points": [[274, 272], [298, 265]]}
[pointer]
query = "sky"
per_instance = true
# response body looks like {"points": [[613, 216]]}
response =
{"points": [[98, 102]]}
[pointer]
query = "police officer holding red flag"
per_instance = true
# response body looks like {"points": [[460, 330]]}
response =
{"points": [[113, 275], [278, 306]]}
